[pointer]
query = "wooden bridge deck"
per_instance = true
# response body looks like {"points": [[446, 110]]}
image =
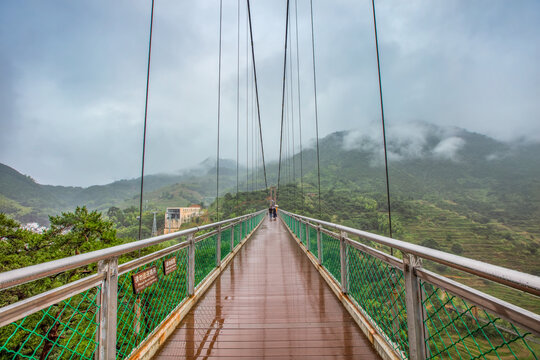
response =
{"points": [[269, 303]]}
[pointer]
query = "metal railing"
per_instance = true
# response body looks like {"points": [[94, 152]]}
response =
{"points": [[108, 314], [421, 314]]}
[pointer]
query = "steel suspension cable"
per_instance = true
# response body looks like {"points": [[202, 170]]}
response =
{"points": [[382, 119], [247, 103], [291, 95], [299, 105], [219, 106], [257, 91], [316, 106], [145, 118], [251, 137], [237, 103], [283, 99]]}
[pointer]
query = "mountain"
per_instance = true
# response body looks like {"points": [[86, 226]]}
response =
{"points": [[450, 189], [28, 201]]}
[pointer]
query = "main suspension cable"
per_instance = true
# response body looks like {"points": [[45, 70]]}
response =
{"points": [[283, 99], [382, 119], [237, 104], [257, 91], [299, 105], [316, 107], [145, 118], [219, 106], [291, 95]]}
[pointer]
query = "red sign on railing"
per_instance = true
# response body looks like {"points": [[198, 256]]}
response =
{"points": [[169, 265], [144, 279]]}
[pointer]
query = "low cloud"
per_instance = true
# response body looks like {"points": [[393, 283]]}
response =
{"points": [[448, 148], [406, 141]]}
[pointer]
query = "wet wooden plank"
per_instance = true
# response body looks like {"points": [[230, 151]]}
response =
{"points": [[269, 303]]}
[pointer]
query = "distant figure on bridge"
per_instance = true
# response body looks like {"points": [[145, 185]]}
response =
{"points": [[274, 212], [271, 212]]}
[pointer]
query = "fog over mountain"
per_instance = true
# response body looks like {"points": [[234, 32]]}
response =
{"points": [[73, 79], [414, 140]]}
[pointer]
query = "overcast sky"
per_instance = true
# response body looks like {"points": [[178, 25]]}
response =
{"points": [[73, 76]]}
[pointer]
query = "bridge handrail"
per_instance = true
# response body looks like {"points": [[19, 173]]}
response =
{"points": [[515, 279], [103, 312], [419, 314], [27, 274]]}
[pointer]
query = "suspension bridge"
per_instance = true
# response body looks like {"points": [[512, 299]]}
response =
{"points": [[251, 287]]}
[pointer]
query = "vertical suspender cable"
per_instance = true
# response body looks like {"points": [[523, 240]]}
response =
{"points": [[247, 106], [382, 119], [145, 117], [237, 103], [316, 107], [299, 105], [292, 119], [257, 93], [219, 106], [283, 99]]}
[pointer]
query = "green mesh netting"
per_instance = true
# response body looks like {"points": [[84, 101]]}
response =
{"points": [[379, 289], [139, 314], [456, 329], [205, 258], [331, 255], [68, 330], [62, 331], [237, 235], [302, 231], [313, 242], [225, 242]]}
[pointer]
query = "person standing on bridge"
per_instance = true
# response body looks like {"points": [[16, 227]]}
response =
{"points": [[274, 212]]}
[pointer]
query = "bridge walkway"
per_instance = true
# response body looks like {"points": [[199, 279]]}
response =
{"points": [[269, 303]]}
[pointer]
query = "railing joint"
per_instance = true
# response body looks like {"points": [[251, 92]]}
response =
{"points": [[108, 309], [413, 302], [218, 247], [343, 250], [191, 265]]}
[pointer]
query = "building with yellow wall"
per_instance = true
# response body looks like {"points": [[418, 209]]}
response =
{"points": [[176, 216]]}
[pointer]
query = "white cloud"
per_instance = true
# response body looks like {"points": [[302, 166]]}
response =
{"points": [[80, 72], [448, 148]]}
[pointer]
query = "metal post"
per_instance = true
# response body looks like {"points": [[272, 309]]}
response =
{"points": [[319, 245], [343, 254], [191, 265], [241, 222], [307, 235], [232, 237], [107, 316], [415, 324], [218, 247]]}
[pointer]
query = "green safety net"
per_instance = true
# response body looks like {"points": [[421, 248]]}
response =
{"points": [[237, 235], [302, 232], [69, 329], [456, 329], [379, 289], [331, 259], [139, 314], [225, 242], [453, 328], [313, 242], [65, 330], [205, 257]]}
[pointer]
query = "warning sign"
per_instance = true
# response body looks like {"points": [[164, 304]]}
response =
{"points": [[144, 279], [169, 265]]}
